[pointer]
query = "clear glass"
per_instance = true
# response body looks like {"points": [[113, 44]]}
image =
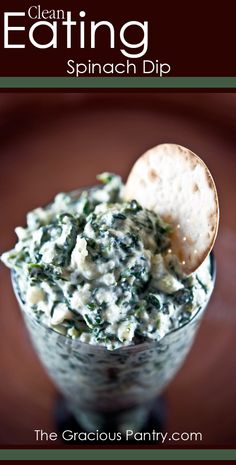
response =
{"points": [[110, 389]]}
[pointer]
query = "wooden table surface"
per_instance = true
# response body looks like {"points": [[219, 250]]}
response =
{"points": [[58, 142]]}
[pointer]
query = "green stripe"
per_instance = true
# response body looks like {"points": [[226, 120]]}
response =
{"points": [[117, 82], [117, 454]]}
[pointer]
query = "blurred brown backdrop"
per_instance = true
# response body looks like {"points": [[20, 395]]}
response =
{"points": [[58, 142]]}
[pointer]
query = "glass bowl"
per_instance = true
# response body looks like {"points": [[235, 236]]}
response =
{"points": [[111, 390]]}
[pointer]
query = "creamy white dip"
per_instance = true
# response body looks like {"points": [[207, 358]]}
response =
{"points": [[98, 269]]}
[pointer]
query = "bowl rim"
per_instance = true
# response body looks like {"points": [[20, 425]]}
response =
{"points": [[132, 347]]}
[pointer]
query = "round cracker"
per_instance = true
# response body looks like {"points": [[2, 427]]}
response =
{"points": [[177, 185]]}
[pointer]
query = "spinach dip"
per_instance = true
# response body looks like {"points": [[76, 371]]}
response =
{"points": [[98, 269]]}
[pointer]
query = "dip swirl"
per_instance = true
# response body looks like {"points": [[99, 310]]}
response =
{"points": [[99, 269]]}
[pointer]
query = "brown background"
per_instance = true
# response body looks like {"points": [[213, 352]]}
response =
{"points": [[50, 143], [196, 38]]}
